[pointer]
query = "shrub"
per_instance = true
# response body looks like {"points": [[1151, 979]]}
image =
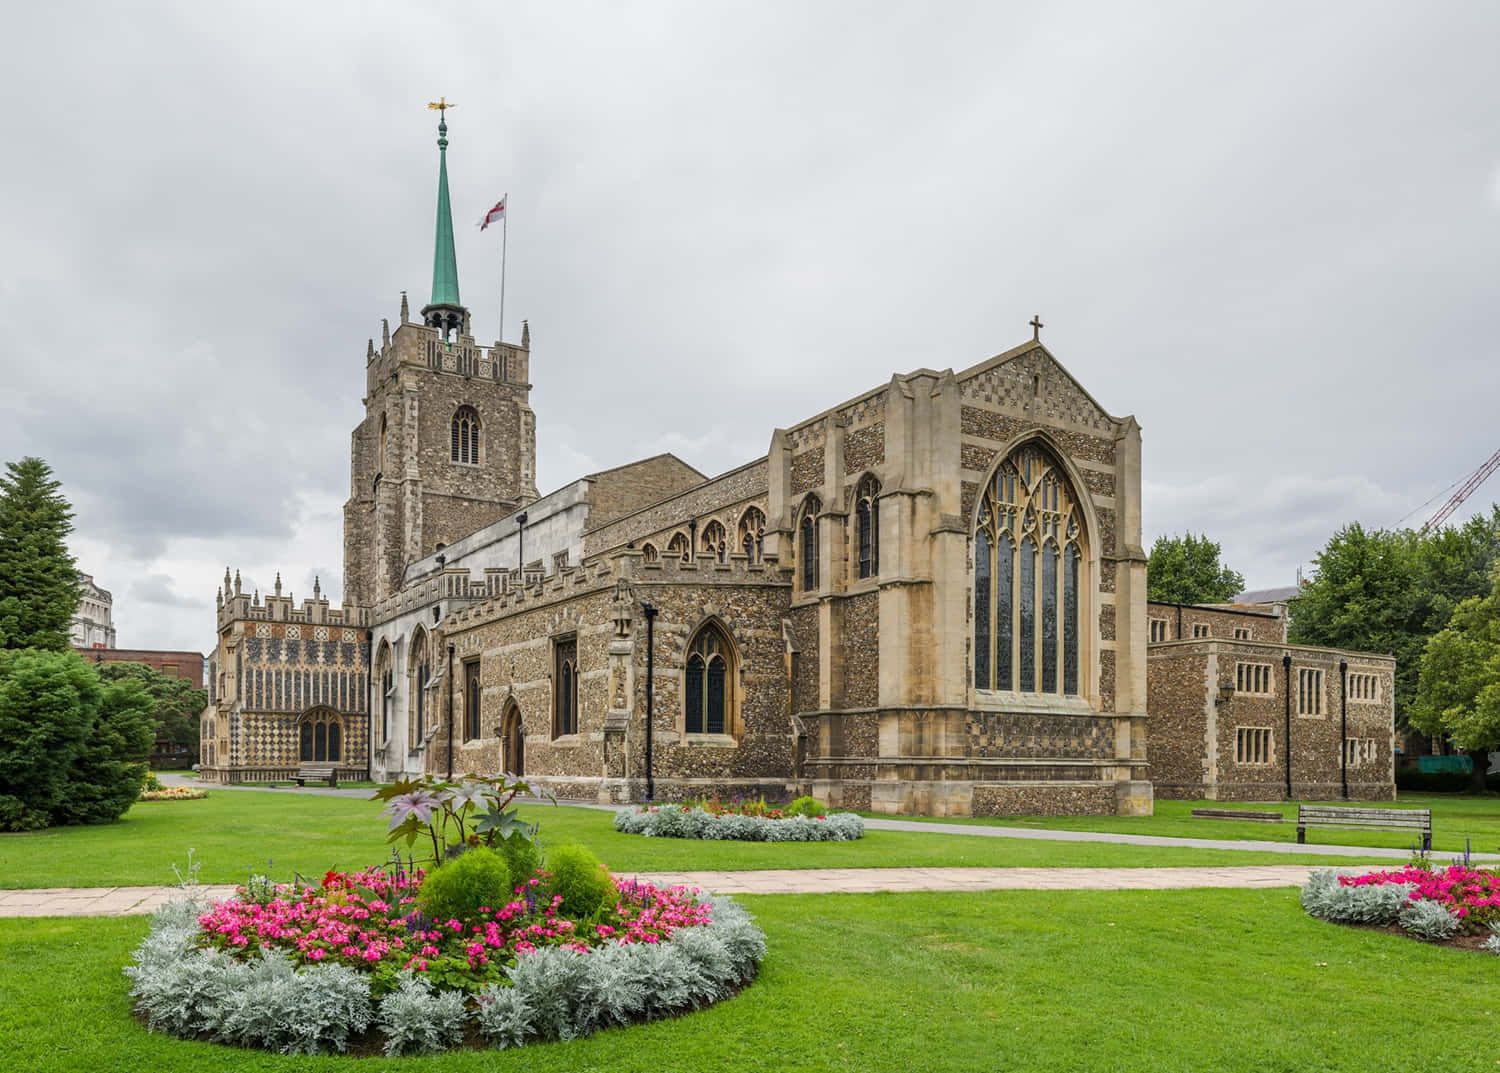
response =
{"points": [[461, 888], [682, 821], [582, 882], [810, 807], [418, 1020], [1429, 921], [1328, 899], [521, 856]]}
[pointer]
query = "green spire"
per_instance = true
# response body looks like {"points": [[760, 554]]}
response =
{"points": [[444, 261]]}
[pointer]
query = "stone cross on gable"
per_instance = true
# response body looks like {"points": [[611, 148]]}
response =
{"points": [[1036, 328]]}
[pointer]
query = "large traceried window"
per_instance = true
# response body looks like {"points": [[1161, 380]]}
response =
{"points": [[867, 526], [807, 544], [707, 694], [419, 672], [1029, 563], [465, 436]]}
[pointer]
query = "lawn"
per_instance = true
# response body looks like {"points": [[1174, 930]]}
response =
{"points": [[233, 832], [1454, 818], [1165, 981]]}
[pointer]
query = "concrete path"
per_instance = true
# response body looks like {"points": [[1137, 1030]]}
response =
{"points": [[126, 901]]}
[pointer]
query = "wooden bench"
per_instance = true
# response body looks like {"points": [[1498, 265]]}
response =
{"points": [[1237, 814], [1375, 819], [317, 773]]}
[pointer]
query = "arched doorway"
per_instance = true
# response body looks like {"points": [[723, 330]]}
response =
{"points": [[513, 738]]}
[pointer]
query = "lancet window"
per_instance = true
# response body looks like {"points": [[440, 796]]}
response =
{"points": [[807, 544], [707, 695], [465, 436], [752, 534], [679, 548], [1029, 565], [867, 526], [565, 686], [715, 543], [419, 672], [387, 680]]}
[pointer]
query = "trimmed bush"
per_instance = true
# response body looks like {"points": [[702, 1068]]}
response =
{"points": [[461, 888], [586, 887], [810, 807], [1429, 921], [521, 855], [677, 821], [1324, 897]]}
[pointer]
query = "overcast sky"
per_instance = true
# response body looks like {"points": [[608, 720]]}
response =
{"points": [[1269, 231]]}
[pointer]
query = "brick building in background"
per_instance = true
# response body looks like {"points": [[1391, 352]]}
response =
{"points": [[1239, 714]]}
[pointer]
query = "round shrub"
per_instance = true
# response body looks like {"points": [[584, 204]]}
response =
{"points": [[460, 888], [810, 807], [521, 856], [577, 875]]}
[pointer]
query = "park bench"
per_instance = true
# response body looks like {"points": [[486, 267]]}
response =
{"points": [[317, 773], [1375, 819], [1251, 815]]}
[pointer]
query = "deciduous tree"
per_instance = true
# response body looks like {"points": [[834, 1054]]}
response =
{"points": [[1187, 570]]}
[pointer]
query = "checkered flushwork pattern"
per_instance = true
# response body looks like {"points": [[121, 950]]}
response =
{"points": [[1018, 734], [1011, 385]]}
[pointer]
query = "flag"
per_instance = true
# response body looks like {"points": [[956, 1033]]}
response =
{"points": [[494, 214]]}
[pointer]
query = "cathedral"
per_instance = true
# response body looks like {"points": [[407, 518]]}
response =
{"points": [[928, 598]]}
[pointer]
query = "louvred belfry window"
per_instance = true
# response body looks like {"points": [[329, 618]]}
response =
{"points": [[465, 436], [1029, 565]]}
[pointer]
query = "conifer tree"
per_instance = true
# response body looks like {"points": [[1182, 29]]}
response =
{"points": [[38, 576]]}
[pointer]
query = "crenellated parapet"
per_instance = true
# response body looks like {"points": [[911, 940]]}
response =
{"points": [[232, 605]]}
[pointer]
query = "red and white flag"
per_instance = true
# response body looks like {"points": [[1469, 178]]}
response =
{"points": [[497, 213]]}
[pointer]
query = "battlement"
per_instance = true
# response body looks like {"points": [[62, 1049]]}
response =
{"points": [[415, 344], [316, 611]]}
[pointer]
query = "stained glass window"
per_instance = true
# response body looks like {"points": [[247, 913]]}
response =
{"points": [[1028, 615], [706, 693], [1005, 606], [1070, 620], [982, 648]]}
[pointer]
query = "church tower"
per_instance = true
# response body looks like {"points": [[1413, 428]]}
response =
{"points": [[448, 442]]}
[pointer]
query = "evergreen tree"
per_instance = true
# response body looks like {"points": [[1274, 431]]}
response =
{"points": [[1186, 570], [38, 577]]}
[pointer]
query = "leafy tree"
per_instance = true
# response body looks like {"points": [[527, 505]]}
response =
{"points": [[178, 705], [38, 577], [1458, 694], [72, 749], [1382, 590], [1186, 570]]}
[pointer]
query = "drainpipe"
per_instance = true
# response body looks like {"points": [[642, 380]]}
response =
{"points": [[1286, 666], [521, 547], [450, 711], [650, 612], [1344, 726], [1179, 622], [370, 696]]}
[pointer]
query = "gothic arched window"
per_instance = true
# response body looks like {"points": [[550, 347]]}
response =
{"points": [[679, 548], [473, 701], [807, 544], [512, 740], [708, 688], [714, 542], [382, 441], [649, 554], [867, 526], [752, 534], [419, 674], [321, 737], [465, 436], [565, 686], [386, 679], [1029, 556]]}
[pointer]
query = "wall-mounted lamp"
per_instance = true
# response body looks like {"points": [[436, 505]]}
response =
{"points": [[1226, 693]]}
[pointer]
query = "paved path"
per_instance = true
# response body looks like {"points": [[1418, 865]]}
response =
{"points": [[126, 901]]}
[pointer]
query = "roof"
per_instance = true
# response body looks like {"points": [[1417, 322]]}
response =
{"points": [[1268, 596]]}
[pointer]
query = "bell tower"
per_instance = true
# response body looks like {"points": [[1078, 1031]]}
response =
{"points": [[448, 441]]}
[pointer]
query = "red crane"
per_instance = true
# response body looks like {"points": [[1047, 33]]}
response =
{"points": [[1478, 477]]}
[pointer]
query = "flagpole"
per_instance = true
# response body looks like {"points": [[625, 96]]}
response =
{"points": [[504, 234]]}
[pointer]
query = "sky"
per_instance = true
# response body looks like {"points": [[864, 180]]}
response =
{"points": [[1270, 231]]}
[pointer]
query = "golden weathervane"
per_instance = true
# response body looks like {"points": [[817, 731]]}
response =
{"points": [[441, 105]]}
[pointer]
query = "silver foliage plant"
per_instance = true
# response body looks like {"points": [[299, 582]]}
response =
{"points": [[1427, 920], [672, 821], [554, 992], [1492, 943], [1324, 897]]}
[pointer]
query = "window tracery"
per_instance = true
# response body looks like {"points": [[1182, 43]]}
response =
{"points": [[465, 436], [714, 542], [752, 534], [679, 548], [1029, 556], [649, 553], [387, 686], [707, 695], [807, 544], [321, 737], [419, 674], [565, 686]]}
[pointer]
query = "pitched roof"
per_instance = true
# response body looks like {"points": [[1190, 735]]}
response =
{"points": [[1268, 596]]}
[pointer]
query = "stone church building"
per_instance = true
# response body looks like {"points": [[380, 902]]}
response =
{"points": [[930, 597]]}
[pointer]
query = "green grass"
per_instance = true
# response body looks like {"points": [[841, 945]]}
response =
{"points": [[1454, 818], [233, 832], [1116, 981]]}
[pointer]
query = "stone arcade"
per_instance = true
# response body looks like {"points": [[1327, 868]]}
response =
{"points": [[930, 597]]}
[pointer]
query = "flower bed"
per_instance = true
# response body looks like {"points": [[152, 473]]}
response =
{"points": [[1451, 905], [174, 793], [695, 821], [411, 962]]}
